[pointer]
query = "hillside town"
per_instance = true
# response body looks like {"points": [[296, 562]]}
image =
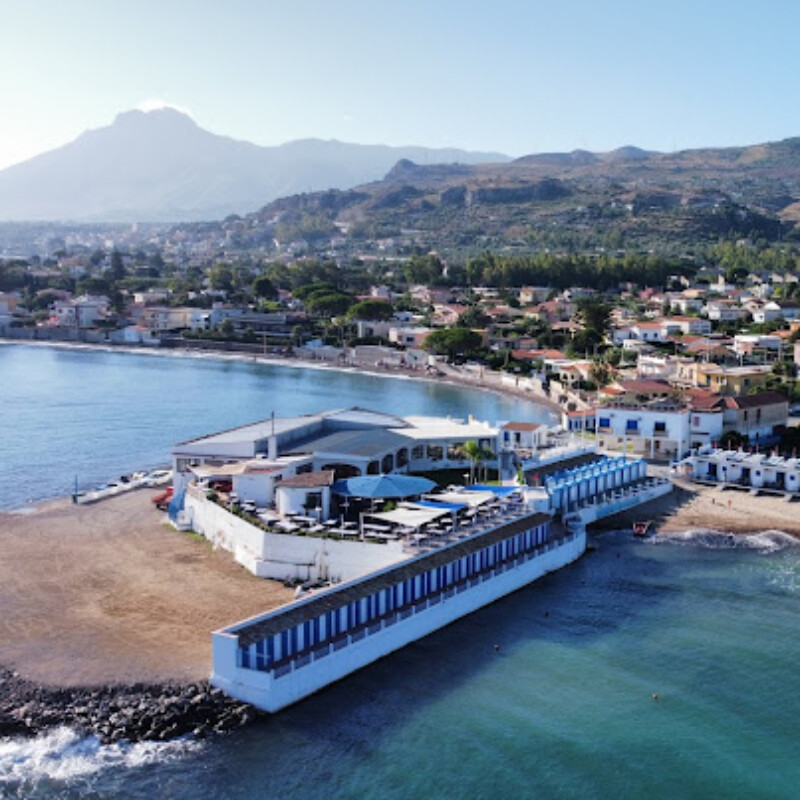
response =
{"points": [[708, 358]]}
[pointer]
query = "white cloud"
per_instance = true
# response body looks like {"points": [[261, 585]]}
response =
{"points": [[156, 103]]}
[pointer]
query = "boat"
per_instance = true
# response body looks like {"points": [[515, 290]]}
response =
{"points": [[641, 528]]}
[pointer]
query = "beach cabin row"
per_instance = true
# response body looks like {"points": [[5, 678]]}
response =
{"points": [[570, 487], [280, 657]]}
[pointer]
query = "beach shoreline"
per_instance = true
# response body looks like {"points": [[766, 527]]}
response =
{"points": [[106, 611], [108, 608], [296, 362]]}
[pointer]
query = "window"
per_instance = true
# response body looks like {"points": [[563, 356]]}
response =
{"points": [[632, 425], [660, 427], [604, 422], [435, 452], [418, 452], [314, 500]]}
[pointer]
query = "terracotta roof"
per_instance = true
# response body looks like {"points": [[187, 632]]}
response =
{"points": [[705, 401], [521, 426], [755, 400], [308, 480], [645, 386]]}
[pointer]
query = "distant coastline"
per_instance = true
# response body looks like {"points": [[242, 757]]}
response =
{"points": [[292, 361]]}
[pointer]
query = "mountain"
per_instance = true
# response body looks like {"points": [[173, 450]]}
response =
{"points": [[628, 199], [161, 166]]}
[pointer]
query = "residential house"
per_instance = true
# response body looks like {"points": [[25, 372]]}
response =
{"points": [[760, 417], [725, 311], [409, 336], [656, 367], [764, 346], [685, 326], [80, 312], [724, 380], [648, 331], [658, 429]]}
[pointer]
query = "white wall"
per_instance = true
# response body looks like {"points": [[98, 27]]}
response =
{"points": [[264, 691], [283, 555]]}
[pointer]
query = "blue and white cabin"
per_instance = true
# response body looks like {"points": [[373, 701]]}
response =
{"points": [[275, 659]]}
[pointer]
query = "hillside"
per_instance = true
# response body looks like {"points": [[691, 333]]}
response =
{"points": [[161, 166], [628, 198]]}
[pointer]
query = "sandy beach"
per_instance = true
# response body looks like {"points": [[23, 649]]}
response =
{"points": [[693, 507], [109, 593]]}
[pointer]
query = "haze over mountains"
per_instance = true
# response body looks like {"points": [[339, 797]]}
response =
{"points": [[161, 166]]}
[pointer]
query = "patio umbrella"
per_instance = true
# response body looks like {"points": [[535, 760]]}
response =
{"points": [[382, 487]]}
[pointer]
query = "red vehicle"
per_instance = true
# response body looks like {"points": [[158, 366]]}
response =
{"points": [[161, 500]]}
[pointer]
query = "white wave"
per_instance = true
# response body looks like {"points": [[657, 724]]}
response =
{"points": [[769, 541], [62, 755]]}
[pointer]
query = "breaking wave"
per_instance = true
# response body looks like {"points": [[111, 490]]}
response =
{"points": [[62, 755], [769, 541]]}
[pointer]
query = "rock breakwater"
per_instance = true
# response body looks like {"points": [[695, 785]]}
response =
{"points": [[133, 713]]}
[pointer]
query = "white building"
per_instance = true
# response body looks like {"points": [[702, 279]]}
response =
{"points": [[757, 470], [659, 429], [725, 311], [81, 312]]}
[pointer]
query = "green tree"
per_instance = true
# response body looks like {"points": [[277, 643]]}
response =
{"points": [[117, 271], [473, 317], [329, 305], [221, 277], [600, 373], [593, 315], [476, 455], [371, 310], [453, 342], [264, 287]]}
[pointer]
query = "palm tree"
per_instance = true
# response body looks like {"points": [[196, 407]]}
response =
{"points": [[475, 454]]}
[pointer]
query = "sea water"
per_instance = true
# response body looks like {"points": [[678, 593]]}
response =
{"points": [[89, 416], [565, 709]]}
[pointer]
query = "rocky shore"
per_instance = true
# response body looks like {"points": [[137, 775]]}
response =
{"points": [[119, 713]]}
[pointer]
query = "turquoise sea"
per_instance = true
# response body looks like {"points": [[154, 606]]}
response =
{"points": [[706, 622]]}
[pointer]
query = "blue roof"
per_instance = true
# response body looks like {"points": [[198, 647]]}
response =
{"points": [[500, 491], [382, 486], [444, 506]]}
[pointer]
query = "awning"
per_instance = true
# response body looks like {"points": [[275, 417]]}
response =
{"points": [[409, 516], [498, 491], [382, 486], [466, 498], [436, 504]]}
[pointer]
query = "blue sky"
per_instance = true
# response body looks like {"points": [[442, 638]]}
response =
{"points": [[506, 75]]}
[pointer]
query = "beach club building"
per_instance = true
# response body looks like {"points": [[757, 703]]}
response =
{"points": [[348, 442], [416, 557]]}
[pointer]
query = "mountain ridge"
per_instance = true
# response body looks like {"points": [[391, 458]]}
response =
{"points": [[115, 173], [626, 199]]}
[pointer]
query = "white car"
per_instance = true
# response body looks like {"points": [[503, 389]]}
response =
{"points": [[158, 477]]}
